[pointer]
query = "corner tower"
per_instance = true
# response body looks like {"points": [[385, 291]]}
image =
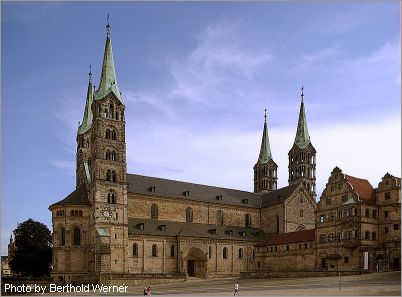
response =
{"points": [[302, 155], [108, 171], [265, 170]]}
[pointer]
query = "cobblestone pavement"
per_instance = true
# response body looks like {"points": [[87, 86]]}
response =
{"points": [[380, 284]]}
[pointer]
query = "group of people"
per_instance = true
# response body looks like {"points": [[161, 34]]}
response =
{"points": [[147, 291]]}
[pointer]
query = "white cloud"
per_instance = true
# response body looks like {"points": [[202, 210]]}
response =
{"points": [[226, 157]]}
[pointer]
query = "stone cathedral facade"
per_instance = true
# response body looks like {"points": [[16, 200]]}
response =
{"points": [[117, 225]]}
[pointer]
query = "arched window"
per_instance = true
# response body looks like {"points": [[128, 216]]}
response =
{"points": [[117, 115], [63, 237], [76, 214], [111, 198], [172, 251], [154, 250], [80, 213], [210, 252], [135, 250], [189, 214], [77, 236], [72, 213], [240, 253], [113, 176], [219, 217], [110, 155], [247, 220], [154, 212], [108, 175], [225, 253], [301, 213], [107, 134]]}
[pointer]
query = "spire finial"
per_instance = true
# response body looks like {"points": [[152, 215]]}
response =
{"points": [[90, 72], [265, 115], [302, 94], [108, 25]]}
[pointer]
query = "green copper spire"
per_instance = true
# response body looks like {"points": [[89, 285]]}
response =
{"points": [[265, 151], [87, 120], [302, 137], [108, 82]]}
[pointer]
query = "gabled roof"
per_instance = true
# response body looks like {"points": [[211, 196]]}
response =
{"points": [[77, 197], [196, 192], [362, 187], [292, 237], [153, 228], [278, 196]]}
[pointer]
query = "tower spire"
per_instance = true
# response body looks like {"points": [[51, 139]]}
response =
{"points": [[302, 138], [108, 82], [265, 150], [87, 119]]}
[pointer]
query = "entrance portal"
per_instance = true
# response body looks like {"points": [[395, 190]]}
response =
{"points": [[190, 268], [196, 263]]}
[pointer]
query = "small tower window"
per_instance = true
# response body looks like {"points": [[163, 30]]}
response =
{"points": [[77, 236], [63, 237], [111, 198]]}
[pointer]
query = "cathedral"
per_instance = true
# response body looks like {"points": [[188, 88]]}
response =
{"points": [[117, 226]]}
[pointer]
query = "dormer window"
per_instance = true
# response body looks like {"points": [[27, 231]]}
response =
{"points": [[219, 197], [229, 232], [186, 193], [245, 201], [140, 226], [152, 189], [212, 231], [242, 233], [162, 227]]}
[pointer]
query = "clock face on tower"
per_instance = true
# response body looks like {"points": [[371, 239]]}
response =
{"points": [[106, 213]]}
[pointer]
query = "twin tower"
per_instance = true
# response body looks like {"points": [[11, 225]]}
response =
{"points": [[302, 161]]}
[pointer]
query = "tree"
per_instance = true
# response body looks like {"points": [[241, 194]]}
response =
{"points": [[33, 249]]}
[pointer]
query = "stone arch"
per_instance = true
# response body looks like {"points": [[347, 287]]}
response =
{"points": [[300, 227], [196, 263]]}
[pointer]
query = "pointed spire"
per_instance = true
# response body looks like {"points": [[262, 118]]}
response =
{"points": [[265, 150], [11, 238], [87, 119], [302, 138], [108, 80]]}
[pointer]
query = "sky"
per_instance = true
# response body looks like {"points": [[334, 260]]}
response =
{"points": [[195, 78]]}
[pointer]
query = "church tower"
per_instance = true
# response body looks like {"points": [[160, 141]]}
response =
{"points": [[265, 170], [107, 172], [302, 155], [84, 140]]}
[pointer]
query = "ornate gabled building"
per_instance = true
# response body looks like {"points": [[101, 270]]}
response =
{"points": [[119, 225], [358, 227]]}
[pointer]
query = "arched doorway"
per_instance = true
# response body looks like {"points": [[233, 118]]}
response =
{"points": [[196, 263]]}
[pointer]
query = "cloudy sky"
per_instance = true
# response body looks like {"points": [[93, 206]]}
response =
{"points": [[196, 78]]}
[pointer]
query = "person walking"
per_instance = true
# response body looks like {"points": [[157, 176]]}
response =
{"points": [[236, 288], [149, 291], [145, 291]]}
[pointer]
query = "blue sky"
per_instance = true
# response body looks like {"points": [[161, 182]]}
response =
{"points": [[195, 78]]}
